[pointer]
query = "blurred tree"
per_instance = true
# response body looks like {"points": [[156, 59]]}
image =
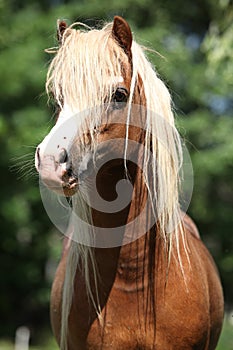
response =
{"points": [[25, 249], [197, 42]]}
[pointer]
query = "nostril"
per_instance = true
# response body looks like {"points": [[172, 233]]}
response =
{"points": [[63, 156], [38, 156]]}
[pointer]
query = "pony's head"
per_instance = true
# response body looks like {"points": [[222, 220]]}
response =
{"points": [[105, 89], [91, 69]]}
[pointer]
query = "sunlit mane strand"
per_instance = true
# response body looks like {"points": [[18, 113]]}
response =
{"points": [[81, 75]]}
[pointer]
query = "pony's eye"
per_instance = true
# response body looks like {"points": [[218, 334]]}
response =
{"points": [[120, 95]]}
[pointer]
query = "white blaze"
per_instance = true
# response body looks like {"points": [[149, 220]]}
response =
{"points": [[60, 136]]}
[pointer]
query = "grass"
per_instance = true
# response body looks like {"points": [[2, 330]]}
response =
{"points": [[226, 338], [50, 344], [225, 341]]}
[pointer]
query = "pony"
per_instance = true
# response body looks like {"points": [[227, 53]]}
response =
{"points": [[134, 273]]}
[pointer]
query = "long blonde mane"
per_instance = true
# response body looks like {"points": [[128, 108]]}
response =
{"points": [[80, 72]]}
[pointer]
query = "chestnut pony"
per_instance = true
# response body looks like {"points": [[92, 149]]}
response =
{"points": [[137, 276]]}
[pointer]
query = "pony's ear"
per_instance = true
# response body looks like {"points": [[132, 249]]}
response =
{"points": [[122, 33], [61, 27]]}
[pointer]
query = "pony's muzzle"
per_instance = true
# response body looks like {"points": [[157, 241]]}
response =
{"points": [[60, 158], [56, 171]]}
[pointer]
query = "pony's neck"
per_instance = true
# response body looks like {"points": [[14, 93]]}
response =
{"points": [[130, 262], [106, 181]]}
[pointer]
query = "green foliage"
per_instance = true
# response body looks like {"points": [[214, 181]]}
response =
{"points": [[196, 42]]}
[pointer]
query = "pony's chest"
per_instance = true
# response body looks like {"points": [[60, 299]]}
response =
{"points": [[118, 337], [129, 323], [121, 325]]}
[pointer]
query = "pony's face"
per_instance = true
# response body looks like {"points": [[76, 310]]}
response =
{"points": [[91, 127], [97, 78]]}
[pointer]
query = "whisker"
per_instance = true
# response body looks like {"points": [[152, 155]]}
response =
{"points": [[23, 165], [30, 146]]}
